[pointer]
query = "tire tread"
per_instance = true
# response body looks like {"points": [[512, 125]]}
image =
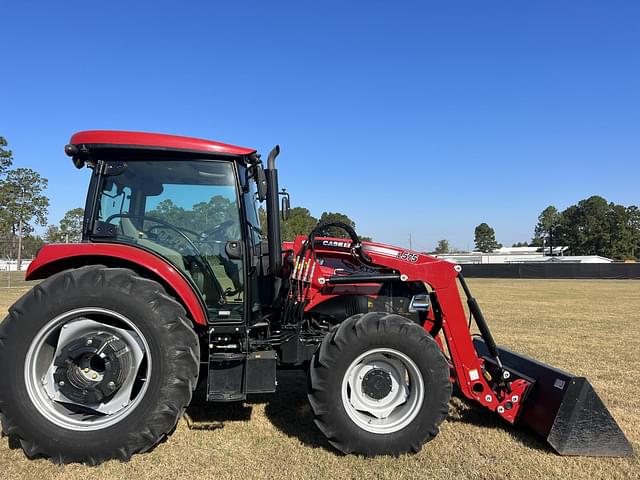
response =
{"points": [[167, 311], [321, 388]]}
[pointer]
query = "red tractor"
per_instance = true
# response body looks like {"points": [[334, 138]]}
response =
{"points": [[174, 286]]}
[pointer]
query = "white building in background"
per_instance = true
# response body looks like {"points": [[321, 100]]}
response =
{"points": [[12, 265], [522, 255]]}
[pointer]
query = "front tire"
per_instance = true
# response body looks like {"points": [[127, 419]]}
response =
{"points": [[379, 385], [99, 363]]}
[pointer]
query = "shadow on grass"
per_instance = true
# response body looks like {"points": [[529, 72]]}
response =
{"points": [[289, 411], [463, 410]]}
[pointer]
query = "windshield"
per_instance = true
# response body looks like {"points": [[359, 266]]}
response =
{"points": [[187, 212]]}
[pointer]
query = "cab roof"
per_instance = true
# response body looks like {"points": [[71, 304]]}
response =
{"points": [[109, 139]]}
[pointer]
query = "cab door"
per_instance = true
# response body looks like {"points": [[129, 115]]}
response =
{"points": [[188, 212]]}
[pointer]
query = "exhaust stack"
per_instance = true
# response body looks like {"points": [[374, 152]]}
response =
{"points": [[273, 215]]}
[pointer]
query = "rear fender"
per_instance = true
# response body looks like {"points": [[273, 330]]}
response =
{"points": [[55, 258]]}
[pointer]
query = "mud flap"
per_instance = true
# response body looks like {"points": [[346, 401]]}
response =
{"points": [[563, 408]]}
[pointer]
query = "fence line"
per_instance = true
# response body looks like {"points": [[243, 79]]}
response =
{"points": [[13, 279], [612, 271]]}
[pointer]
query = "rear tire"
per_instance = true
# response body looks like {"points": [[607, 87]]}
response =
{"points": [[125, 306], [379, 385]]}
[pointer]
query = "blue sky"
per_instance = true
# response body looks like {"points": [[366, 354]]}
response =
{"points": [[412, 117]]}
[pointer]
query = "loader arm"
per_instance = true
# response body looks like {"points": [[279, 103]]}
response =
{"points": [[469, 369], [561, 407]]}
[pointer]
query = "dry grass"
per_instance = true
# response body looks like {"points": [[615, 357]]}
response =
{"points": [[590, 328], [13, 280]]}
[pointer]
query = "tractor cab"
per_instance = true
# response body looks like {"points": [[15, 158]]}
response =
{"points": [[191, 202]]}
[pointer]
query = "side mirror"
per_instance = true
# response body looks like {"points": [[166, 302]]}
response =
{"points": [[261, 183], [285, 206]]}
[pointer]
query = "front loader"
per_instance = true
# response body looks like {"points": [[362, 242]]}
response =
{"points": [[174, 286]]}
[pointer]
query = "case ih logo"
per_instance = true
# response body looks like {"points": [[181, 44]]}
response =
{"points": [[335, 243]]}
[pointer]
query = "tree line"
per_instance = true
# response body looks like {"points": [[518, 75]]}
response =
{"points": [[592, 226], [23, 205], [301, 222]]}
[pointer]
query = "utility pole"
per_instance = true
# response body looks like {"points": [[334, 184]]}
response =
{"points": [[19, 260], [20, 212]]}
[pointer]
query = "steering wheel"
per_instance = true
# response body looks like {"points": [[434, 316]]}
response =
{"points": [[198, 257], [214, 231], [162, 224]]}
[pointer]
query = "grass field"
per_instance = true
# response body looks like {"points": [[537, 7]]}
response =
{"points": [[589, 328]]}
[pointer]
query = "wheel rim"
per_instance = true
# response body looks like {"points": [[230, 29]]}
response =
{"points": [[87, 369], [382, 390]]}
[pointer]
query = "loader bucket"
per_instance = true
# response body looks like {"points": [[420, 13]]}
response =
{"points": [[563, 408]]}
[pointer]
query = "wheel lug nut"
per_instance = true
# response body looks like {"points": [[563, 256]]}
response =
{"points": [[61, 383], [89, 342], [94, 376], [111, 385]]}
